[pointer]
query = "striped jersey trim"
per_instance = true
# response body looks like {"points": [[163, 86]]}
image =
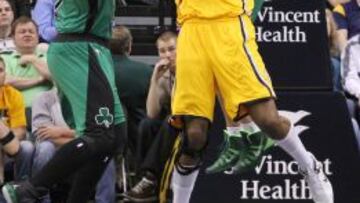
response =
{"points": [[251, 60]]}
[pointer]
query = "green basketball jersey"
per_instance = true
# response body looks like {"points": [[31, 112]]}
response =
{"points": [[257, 7], [85, 16]]}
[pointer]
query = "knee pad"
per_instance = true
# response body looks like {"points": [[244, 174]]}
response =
{"points": [[186, 149]]}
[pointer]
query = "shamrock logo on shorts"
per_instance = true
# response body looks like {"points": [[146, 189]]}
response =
{"points": [[104, 117]]}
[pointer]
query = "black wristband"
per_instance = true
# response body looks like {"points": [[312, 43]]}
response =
{"points": [[8, 138]]}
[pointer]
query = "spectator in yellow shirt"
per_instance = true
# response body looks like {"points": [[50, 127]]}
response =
{"points": [[12, 120]]}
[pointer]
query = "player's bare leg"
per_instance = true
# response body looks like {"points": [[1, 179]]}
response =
{"points": [[187, 166], [265, 115]]}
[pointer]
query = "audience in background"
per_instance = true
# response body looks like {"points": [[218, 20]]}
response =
{"points": [[334, 50], [51, 132], [12, 115], [21, 7], [350, 65], [7, 45], [156, 136], [132, 80], [347, 17], [27, 69], [44, 15]]}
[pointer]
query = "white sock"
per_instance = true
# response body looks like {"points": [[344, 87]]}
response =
{"points": [[250, 127], [233, 130], [295, 148], [183, 185]]}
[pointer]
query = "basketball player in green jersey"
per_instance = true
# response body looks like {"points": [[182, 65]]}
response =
{"points": [[82, 68]]}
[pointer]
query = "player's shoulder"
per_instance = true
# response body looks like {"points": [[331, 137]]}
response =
{"points": [[11, 91], [13, 95]]}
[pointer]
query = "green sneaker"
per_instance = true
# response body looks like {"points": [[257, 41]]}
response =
{"points": [[230, 153], [22, 192], [256, 145], [9, 193]]}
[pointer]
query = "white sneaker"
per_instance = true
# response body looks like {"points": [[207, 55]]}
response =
{"points": [[320, 186]]}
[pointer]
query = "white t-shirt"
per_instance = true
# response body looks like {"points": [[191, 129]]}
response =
{"points": [[7, 45]]}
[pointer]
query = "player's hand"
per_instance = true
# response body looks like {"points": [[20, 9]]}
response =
{"points": [[49, 132], [160, 69], [4, 130], [27, 59]]}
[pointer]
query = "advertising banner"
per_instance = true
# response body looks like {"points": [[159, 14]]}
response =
{"points": [[275, 179], [292, 39]]}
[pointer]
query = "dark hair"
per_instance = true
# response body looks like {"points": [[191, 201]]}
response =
{"points": [[121, 40], [166, 36], [12, 6], [23, 20]]}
